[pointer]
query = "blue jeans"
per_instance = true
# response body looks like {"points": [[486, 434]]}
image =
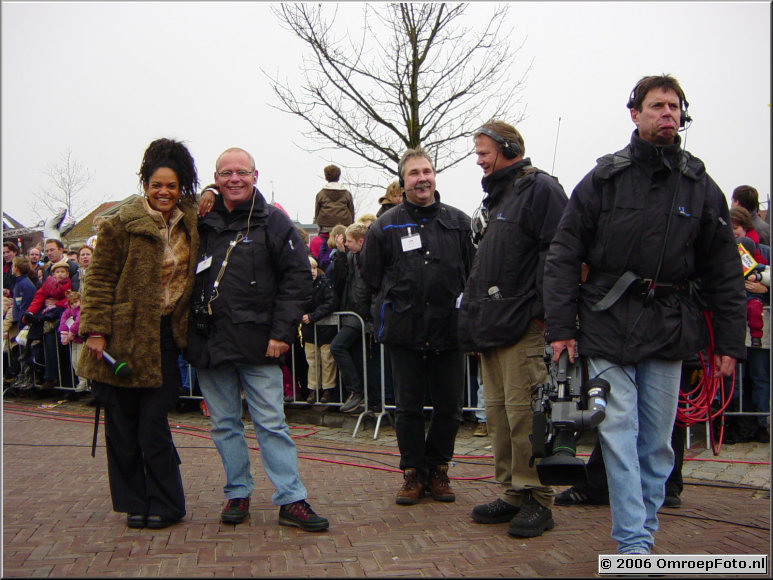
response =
{"points": [[758, 380], [262, 386], [636, 443]]}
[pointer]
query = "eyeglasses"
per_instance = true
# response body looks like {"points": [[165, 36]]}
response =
{"points": [[240, 173]]}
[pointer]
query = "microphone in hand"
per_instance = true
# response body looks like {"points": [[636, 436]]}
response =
{"points": [[120, 368]]}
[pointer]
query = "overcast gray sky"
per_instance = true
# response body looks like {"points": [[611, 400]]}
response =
{"points": [[105, 79]]}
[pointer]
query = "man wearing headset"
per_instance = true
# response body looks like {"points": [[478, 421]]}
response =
{"points": [[416, 257], [501, 316], [650, 224]]}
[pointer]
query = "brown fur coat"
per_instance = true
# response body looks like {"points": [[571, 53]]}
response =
{"points": [[124, 298]]}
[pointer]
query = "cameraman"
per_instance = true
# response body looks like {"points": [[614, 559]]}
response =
{"points": [[501, 316], [648, 221]]}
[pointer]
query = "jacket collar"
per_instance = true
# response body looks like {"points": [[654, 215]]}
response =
{"points": [[220, 217], [646, 153], [497, 182], [428, 210]]}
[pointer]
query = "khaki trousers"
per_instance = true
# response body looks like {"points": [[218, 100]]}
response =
{"points": [[509, 374], [326, 362]]}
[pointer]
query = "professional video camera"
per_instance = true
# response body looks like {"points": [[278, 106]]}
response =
{"points": [[563, 407]]}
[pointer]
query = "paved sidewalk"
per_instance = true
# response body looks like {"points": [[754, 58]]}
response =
{"points": [[58, 520]]}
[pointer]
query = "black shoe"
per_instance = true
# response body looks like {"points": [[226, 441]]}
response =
{"points": [[762, 435], [300, 515], [235, 510], [136, 520], [531, 520], [351, 403], [672, 501], [756, 342], [495, 512], [160, 522], [575, 496]]}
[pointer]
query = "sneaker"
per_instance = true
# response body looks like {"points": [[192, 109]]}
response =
{"points": [[300, 515], [235, 511], [439, 484], [756, 342], [352, 402], [312, 398], [327, 396], [531, 520], [575, 496], [412, 489], [672, 501], [495, 512], [481, 430]]}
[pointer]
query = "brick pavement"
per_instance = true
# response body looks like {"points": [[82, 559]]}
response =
{"points": [[58, 520]]}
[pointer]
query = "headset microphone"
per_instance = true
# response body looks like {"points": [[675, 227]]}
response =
{"points": [[120, 368], [510, 149]]}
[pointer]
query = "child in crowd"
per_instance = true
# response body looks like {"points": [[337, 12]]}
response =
{"points": [[68, 333], [322, 304], [50, 299], [333, 204], [742, 227]]}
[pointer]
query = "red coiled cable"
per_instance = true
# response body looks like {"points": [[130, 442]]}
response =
{"points": [[695, 406]]}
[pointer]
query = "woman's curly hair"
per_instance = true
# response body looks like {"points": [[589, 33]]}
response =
{"points": [[174, 155]]}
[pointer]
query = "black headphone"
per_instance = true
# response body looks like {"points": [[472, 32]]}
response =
{"points": [[684, 116], [510, 149]]}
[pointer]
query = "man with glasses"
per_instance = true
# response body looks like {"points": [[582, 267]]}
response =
{"points": [[252, 281], [502, 316]]}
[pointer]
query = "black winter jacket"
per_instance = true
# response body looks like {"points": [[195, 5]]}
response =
{"points": [[615, 222], [322, 304], [417, 290], [524, 206], [352, 294], [262, 292]]}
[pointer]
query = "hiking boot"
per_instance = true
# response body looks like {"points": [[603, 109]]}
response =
{"points": [[327, 396], [352, 402], [531, 520], [672, 501], [575, 496], [300, 515], [439, 484], [495, 512], [312, 398], [481, 430], [235, 511], [412, 488]]}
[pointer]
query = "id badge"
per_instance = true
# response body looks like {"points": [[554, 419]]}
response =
{"points": [[204, 264], [411, 241]]}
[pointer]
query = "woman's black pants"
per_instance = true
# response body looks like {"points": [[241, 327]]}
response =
{"points": [[142, 462]]}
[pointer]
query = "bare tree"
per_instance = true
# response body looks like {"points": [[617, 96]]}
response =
{"points": [[66, 180], [415, 75]]}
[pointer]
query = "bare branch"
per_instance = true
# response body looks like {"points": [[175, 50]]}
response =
{"points": [[412, 74]]}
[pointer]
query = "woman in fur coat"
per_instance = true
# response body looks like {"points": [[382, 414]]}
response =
{"points": [[140, 280]]}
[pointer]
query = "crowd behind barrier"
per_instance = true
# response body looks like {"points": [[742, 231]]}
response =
{"points": [[378, 409]]}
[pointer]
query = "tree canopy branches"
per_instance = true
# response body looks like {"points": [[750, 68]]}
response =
{"points": [[411, 74]]}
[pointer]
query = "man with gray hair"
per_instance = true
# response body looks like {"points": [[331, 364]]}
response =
{"points": [[502, 317], [416, 257]]}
